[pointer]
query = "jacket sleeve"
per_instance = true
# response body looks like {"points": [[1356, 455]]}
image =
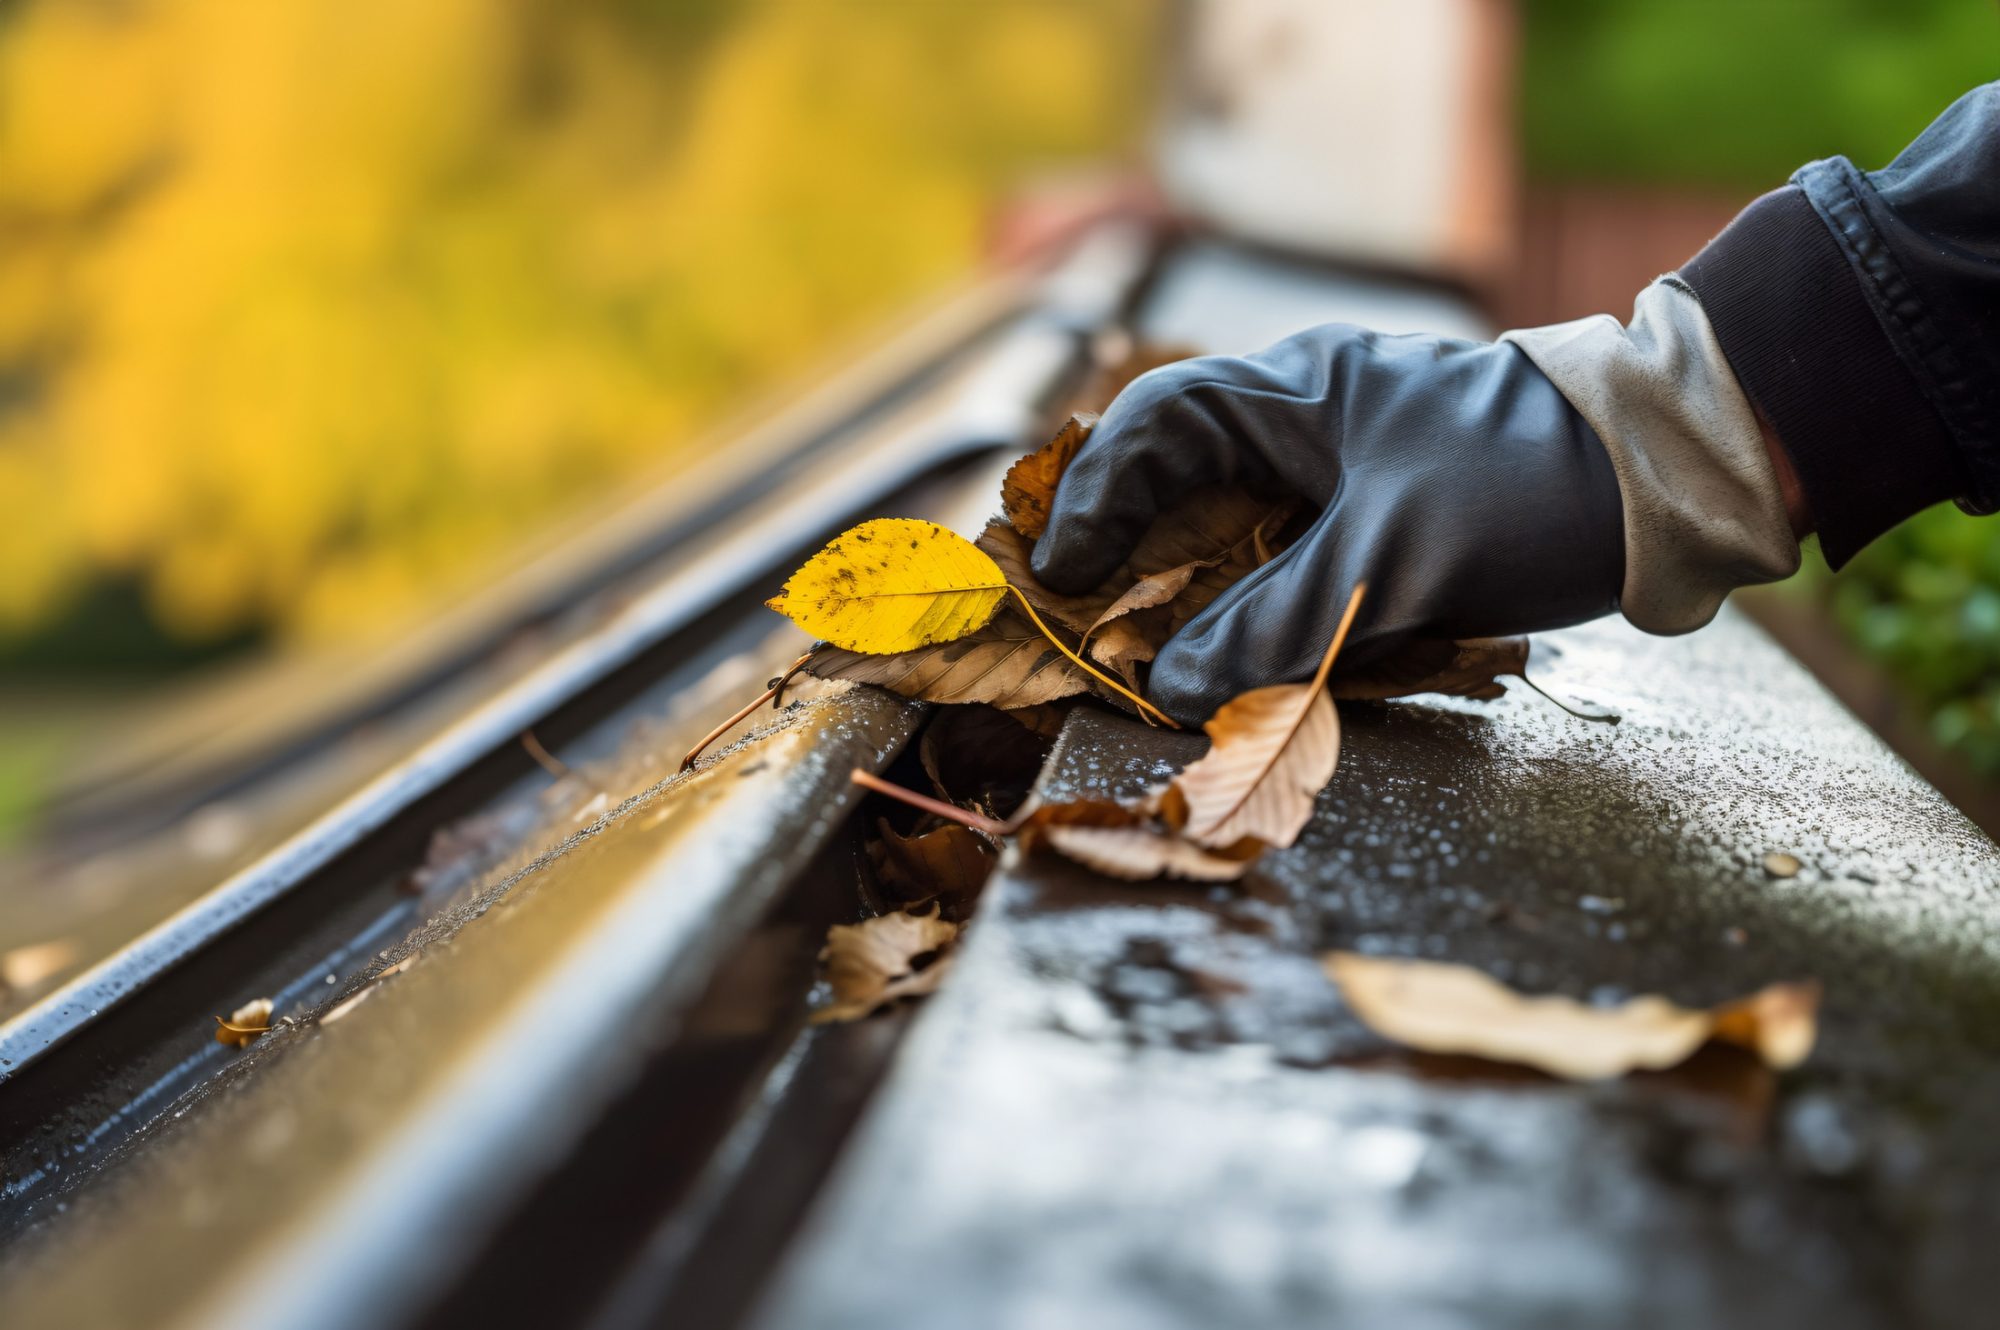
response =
{"points": [[1860, 311], [1703, 511]]}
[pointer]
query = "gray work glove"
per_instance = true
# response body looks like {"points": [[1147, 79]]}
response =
{"points": [[1451, 476]]}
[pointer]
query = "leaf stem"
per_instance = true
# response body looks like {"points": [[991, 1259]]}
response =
{"points": [[1152, 713], [768, 695], [546, 760], [1608, 718], [868, 780], [784, 680], [1339, 637]]}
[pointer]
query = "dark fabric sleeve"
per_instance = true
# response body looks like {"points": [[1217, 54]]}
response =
{"points": [[1861, 313]]}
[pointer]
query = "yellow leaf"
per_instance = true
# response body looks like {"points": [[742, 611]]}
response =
{"points": [[894, 584]]}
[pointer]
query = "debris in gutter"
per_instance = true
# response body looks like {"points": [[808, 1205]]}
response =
{"points": [[879, 960], [245, 1024]]}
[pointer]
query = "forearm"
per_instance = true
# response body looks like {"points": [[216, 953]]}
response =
{"points": [[1830, 362], [1860, 312]]}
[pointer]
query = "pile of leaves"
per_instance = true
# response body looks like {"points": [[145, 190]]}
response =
{"points": [[910, 606], [920, 881]]}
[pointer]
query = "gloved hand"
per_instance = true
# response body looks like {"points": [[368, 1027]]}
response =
{"points": [[1451, 476]]}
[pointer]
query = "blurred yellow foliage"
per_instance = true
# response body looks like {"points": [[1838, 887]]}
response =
{"points": [[306, 307]]}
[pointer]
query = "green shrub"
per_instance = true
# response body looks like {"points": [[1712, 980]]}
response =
{"points": [[1924, 603]]}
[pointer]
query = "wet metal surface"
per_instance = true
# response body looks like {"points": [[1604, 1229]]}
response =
{"points": [[345, 1167], [1142, 1105], [232, 795], [116, 1046]]}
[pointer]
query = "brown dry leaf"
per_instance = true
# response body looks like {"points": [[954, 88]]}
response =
{"points": [[25, 968], [871, 964], [1271, 752], [1245, 533], [1147, 592], [1231, 525], [1122, 841], [247, 1022], [1470, 668], [1442, 1008], [1137, 853], [1008, 663], [1200, 547], [1038, 816], [949, 863], [1128, 641], [1029, 488], [1010, 551], [1045, 720], [1778, 1023], [978, 757]]}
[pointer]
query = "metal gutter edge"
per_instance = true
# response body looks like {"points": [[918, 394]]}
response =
{"points": [[993, 401]]}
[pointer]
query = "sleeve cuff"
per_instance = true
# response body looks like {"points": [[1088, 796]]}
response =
{"points": [[1702, 509], [1789, 312]]}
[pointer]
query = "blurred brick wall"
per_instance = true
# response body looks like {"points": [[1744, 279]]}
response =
{"points": [[1588, 249]]}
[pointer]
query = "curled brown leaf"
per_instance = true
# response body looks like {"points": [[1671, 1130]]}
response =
{"points": [[1443, 1008], [1271, 752], [1778, 1023], [1124, 841], [1149, 591], [1029, 488], [245, 1024], [877, 961], [948, 863], [1138, 853], [1008, 663]]}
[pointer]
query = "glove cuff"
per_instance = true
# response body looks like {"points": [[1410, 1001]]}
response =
{"points": [[1702, 507]]}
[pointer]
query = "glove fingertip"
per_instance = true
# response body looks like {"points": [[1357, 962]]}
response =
{"points": [[1072, 558], [1182, 683]]}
